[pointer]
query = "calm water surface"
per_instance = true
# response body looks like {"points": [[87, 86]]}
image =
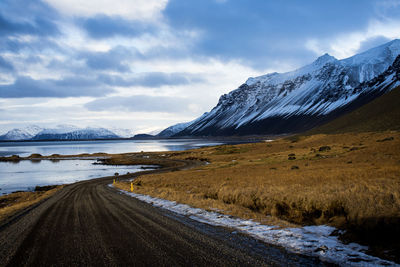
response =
{"points": [[108, 146], [25, 175]]}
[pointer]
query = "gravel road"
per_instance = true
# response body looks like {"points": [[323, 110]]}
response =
{"points": [[89, 223]]}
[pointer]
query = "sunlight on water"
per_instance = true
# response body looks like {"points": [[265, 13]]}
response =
{"points": [[25, 175], [108, 146]]}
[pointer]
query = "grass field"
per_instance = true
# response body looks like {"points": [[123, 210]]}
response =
{"points": [[351, 181], [12, 203]]}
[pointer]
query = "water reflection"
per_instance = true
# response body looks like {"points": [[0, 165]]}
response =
{"points": [[105, 146], [21, 175], [27, 174]]}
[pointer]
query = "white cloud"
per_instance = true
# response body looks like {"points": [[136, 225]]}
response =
{"points": [[75, 38], [130, 9], [219, 78], [348, 44]]}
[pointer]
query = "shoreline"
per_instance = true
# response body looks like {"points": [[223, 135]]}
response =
{"points": [[345, 158], [250, 138]]}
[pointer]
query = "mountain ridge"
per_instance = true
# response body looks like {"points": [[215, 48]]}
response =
{"points": [[63, 132], [172, 130], [295, 101]]}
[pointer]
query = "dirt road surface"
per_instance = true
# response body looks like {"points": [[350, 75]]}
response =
{"points": [[91, 224]]}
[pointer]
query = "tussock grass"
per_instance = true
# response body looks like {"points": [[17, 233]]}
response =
{"points": [[14, 202], [351, 181]]}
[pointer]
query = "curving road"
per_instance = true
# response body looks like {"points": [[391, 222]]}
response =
{"points": [[89, 223]]}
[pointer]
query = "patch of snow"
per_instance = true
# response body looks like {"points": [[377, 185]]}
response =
{"points": [[124, 133], [25, 133], [309, 240], [174, 129], [60, 129], [32, 129]]}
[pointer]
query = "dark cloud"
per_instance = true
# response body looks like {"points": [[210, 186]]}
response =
{"points": [[28, 10], [5, 65], [37, 45], [151, 79], [38, 26], [102, 26], [115, 59], [139, 103], [34, 18], [262, 32], [69, 87]]}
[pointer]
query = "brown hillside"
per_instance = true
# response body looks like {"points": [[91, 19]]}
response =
{"points": [[381, 114]]}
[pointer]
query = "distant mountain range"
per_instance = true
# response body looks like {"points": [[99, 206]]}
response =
{"points": [[64, 132], [21, 134], [299, 100], [274, 103]]}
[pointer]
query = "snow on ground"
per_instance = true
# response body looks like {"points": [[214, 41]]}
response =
{"points": [[309, 240]]}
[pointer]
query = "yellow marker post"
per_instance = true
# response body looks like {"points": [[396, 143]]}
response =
{"points": [[131, 187]]}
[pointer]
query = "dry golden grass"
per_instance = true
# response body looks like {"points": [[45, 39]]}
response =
{"points": [[349, 180], [356, 182], [14, 202]]}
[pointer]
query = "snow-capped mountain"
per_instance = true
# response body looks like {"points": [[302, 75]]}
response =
{"points": [[124, 133], [72, 133], [32, 129], [59, 129], [299, 100], [64, 132], [21, 134], [174, 129]]}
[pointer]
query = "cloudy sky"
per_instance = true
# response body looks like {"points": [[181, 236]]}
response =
{"points": [[147, 64]]}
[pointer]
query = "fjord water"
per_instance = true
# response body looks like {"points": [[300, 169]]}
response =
{"points": [[106, 146], [26, 174]]}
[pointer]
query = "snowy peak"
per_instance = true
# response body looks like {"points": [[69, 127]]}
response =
{"points": [[270, 103], [383, 53], [70, 132], [21, 134], [32, 129], [64, 132], [15, 134], [60, 129], [372, 62], [124, 133], [174, 129], [266, 77], [324, 59]]}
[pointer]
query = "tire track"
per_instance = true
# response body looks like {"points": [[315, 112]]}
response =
{"points": [[89, 223]]}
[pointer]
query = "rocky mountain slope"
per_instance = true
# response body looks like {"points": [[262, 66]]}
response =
{"points": [[88, 133], [299, 100], [174, 129], [25, 133], [381, 114]]}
